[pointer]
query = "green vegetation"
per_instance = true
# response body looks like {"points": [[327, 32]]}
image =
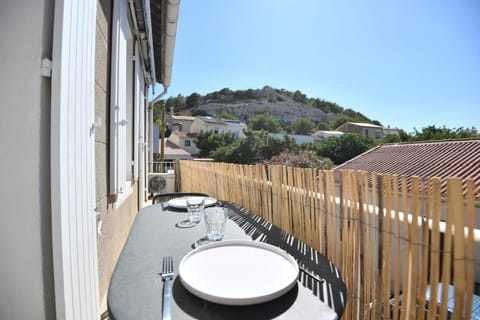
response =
{"points": [[303, 126], [256, 146], [432, 133], [260, 146], [345, 147], [208, 141], [262, 122]]}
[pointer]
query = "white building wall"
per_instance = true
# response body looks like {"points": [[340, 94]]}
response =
{"points": [[235, 127], [26, 271], [180, 141]]}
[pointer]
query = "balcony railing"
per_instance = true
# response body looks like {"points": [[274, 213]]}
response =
{"points": [[161, 166], [388, 234]]}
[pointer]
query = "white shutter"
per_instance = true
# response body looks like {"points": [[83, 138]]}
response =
{"points": [[118, 111], [74, 238], [138, 105]]}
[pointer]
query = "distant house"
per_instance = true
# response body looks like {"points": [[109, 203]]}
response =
{"points": [[218, 126], [208, 124], [299, 139], [186, 128], [181, 123], [236, 127], [185, 141], [364, 129], [390, 131], [324, 134]]}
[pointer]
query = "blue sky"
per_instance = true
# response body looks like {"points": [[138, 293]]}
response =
{"points": [[407, 64]]}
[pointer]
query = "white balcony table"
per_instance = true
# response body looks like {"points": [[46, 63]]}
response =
{"points": [[136, 286]]}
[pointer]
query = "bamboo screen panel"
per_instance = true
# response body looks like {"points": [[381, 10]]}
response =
{"points": [[387, 234]]}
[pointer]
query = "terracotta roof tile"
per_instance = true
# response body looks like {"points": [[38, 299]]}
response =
{"points": [[446, 158], [185, 135]]}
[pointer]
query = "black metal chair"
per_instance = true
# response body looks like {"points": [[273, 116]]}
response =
{"points": [[162, 197]]}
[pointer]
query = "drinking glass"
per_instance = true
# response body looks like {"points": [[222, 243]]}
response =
{"points": [[215, 219], [195, 207]]}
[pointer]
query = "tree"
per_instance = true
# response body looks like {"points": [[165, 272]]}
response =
{"points": [[345, 147], [326, 106], [226, 92], [337, 122], [243, 151], [209, 141], [158, 109], [391, 138], [322, 125], [269, 145], [303, 126], [178, 103], [436, 133], [262, 122], [299, 97], [255, 147], [193, 100]]}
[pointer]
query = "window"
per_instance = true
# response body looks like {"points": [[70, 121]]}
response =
{"points": [[216, 130], [187, 143], [378, 134]]}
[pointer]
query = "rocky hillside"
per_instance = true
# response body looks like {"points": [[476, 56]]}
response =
{"points": [[274, 103], [283, 105]]}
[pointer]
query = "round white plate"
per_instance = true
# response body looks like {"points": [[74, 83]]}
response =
{"points": [[181, 203], [238, 272]]}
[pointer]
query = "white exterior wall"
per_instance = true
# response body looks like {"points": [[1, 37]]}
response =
{"points": [[186, 124], [175, 139], [199, 125], [220, 127], [26, 271], [323, 134], [236, 127]]}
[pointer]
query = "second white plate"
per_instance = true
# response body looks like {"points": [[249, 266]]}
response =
{"points": [[238, 272], [181, 203]]}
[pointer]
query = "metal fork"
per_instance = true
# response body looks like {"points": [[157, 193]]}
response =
{"points": [[167, 277]]}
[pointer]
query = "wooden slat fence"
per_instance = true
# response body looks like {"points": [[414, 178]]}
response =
{"points": [[385, 233]]}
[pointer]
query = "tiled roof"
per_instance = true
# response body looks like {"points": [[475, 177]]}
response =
{"points": [[185, 135], [172, 149], [446, 158]]}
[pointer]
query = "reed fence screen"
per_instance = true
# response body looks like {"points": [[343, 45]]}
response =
{"points": [[392, 237]]}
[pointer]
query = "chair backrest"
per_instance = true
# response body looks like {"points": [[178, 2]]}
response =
{"points": [[162, 197]]}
